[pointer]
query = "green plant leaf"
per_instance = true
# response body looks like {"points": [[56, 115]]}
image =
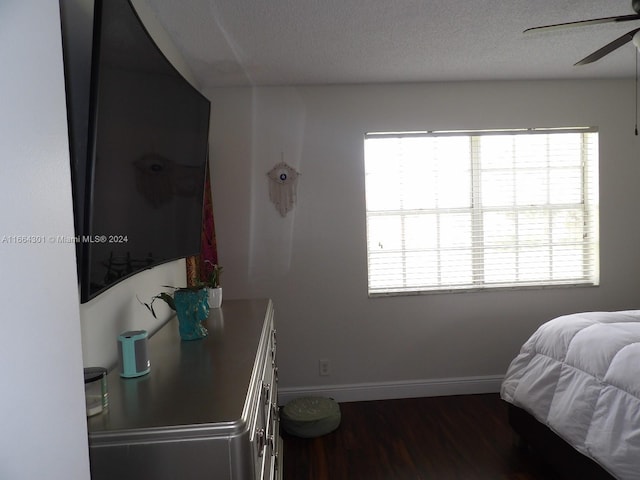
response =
{"points": [[168, 299]]}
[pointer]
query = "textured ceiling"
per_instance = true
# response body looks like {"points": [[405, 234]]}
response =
{"points": [[302, 42]]}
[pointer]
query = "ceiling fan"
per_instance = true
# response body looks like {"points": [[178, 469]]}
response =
{"points": [[632, 36]]}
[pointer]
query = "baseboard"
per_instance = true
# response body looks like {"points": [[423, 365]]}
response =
{"points": [[358, 392]]}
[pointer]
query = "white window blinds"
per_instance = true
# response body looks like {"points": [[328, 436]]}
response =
{"points": [[475, 210]]}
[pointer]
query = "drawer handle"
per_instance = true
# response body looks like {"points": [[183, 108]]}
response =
{"points": [[261, 441], [266, 387], [273, 344]]}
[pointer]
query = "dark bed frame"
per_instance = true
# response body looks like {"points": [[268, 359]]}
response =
{"points": [[555, 452]]}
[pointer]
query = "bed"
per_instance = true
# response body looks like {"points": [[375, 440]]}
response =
{"points": [[578, 377]]}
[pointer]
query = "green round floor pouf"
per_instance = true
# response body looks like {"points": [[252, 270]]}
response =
{"points": [[309, 417]]}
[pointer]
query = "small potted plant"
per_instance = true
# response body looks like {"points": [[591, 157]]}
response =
{"points": [[192, 307], [212, 283]]}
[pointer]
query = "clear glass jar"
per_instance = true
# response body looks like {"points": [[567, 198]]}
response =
{"points": [[95, 390]]}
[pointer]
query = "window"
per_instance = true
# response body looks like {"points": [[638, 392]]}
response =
{"points": [[451, 211]]}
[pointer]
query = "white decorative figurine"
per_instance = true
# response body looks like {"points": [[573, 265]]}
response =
{"points": [[283, 180]]}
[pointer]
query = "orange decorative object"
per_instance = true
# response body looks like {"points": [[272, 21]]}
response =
{"points": [[192, 271]]}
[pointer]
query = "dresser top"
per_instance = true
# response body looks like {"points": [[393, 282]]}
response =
{"points": [[199, 384]]}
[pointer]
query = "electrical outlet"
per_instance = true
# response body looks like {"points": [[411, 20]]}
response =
{"points": [[324, 367]]}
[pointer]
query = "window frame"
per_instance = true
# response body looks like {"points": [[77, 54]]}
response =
{"points": [[590, 211]]}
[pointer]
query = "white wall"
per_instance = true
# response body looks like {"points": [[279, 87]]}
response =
{"points": [[42, 412], [313, 262]]}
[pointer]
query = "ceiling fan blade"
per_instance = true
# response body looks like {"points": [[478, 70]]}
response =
{"points": [[594, 21], [608, 48]]}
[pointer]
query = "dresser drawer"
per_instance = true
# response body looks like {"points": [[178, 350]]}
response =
{"points": [[266, 430]]}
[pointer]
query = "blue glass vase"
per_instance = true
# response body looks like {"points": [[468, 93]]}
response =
{"points": [[192, 309]]}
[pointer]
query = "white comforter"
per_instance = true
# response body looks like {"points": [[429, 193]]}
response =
{"points": [[580, 375]]}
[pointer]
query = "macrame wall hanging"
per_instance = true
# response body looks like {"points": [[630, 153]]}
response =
{"points": [[283, 180]]}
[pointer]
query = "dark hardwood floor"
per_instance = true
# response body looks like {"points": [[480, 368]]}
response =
{"points": [[463, 437]]}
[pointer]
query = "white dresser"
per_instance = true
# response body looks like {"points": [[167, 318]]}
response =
{"points": [[207, 410]]}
